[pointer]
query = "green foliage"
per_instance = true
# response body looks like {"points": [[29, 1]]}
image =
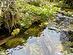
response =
{"points": [[24, 13], [2, 51], [68, 44], [34, 2], [68, 47], [30, 13]]}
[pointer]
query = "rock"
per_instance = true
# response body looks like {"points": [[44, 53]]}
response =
{"points": [[63, 36], [64, 18]]}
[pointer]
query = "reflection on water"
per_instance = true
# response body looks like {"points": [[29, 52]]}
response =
{"points": [[47, 44]]}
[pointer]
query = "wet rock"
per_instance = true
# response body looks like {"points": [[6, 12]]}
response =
{"points": [[63, 36], [65, 19], [66, 36], [70, 36]]}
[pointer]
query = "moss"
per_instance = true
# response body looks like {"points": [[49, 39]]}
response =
{"points": [[33, 31], [14, 42], [2, 51], [15, 32]]}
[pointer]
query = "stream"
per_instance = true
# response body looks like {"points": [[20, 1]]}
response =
{"points": [[49, 42]]}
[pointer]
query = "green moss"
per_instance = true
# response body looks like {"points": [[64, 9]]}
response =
{"points": [[14, 42], [2, 51]]}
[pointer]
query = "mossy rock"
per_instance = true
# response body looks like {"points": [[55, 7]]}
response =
{"points": [[14, 42]]}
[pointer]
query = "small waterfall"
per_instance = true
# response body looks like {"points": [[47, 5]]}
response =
{"points": [[47, 44]]}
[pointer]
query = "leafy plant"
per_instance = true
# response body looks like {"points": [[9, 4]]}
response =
{"points": [[24, 14], [30, 13]]}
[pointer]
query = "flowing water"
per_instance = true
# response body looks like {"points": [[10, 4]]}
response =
{"points": [[49, 42]]}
